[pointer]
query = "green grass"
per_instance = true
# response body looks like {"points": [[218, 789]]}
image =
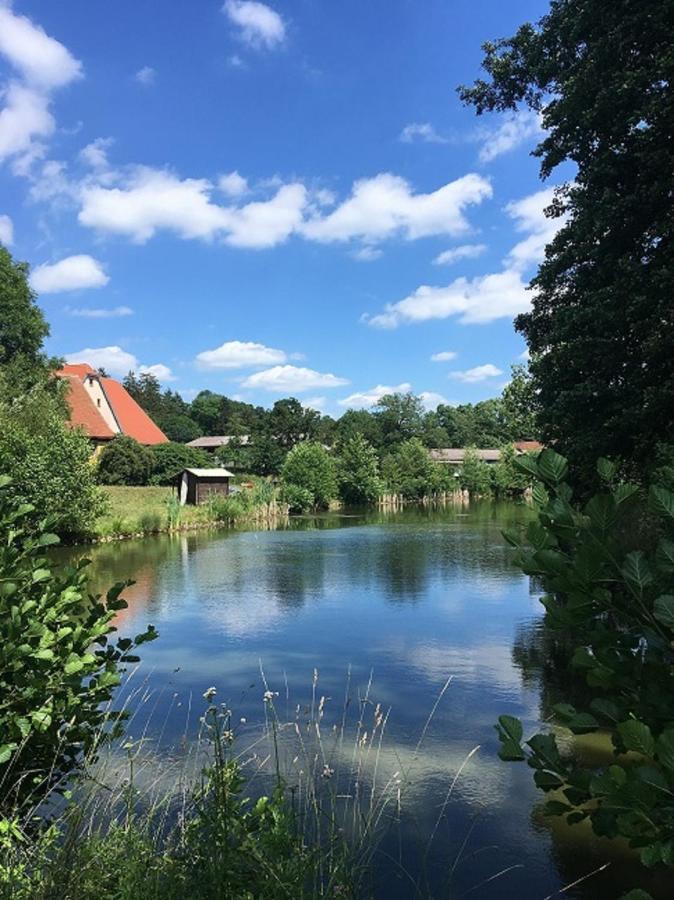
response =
{"points": [[134, 509]]}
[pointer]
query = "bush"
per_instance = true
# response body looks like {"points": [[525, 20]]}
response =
{"points": [[125, 461], [298, 499], [475, 475], [309, 466], [58, 664], [168, 461], [410, 471], [149, 522], [610, 589], [358, 472], [49, 463]]}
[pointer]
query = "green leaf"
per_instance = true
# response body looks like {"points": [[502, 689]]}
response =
{"points": [[47, 540], [601, 510], [552, 467], [624, 492], [539, 495], [40, 575], [512, 727], [527, 465], [661, 501], [6, 750], [636, 569], [663, 610], [547, 781], [606, 469], [665, 749], [556, 808], [664, 556], [636, 894], [73, 665], [637, 736]]}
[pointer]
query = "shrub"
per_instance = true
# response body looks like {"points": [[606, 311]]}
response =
{"points": [[309, 466], [474, 475], [125, 461], [410, 470], [149, 522], [168, 461], [358, 472], [58, 662], [506, 477], [49, 463], [298, 499], [610, 590]]}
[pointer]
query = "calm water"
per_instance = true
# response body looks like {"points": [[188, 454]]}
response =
{"points": [[413, 598]]}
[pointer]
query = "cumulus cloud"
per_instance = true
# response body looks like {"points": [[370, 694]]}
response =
{"points": [[476, 300], [465, 251], [113, 359], [159, 370], [240, 355], [291, 379], [43, 65], [529, 216], [317, 403], [366, 399], [432, 400], [515, 130], [386, 205], [70, 274], [90, 312], [95, 154], [258, 24], [477, 374], [146, 76], [6, 231], [421, 131], [443, 356], [233, 184]]}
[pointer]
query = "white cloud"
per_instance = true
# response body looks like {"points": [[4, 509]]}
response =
{"points": [[366, 399], [43, 65], [112, 359], [317, 403], [95, 154], [421, 131], [478, 300], [385, 205], [6, 231], [515, 130], [150, 200], [529, 216], [42, 60], [367, 254], [259, 25], [146, 76], [240, 355], [477, 374], [159, 370], [233, 184], [431, 400], [525, 356], [465, 251], [69, 274], [443, 356], [89, 312], [24, 117], [290, 379]]}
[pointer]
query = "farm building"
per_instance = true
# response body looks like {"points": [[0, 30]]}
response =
{"points": [[214, 442], [104, 408], [454, 456], [195, 486]]}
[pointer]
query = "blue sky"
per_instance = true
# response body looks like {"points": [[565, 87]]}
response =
{"points": [[268, 200]]}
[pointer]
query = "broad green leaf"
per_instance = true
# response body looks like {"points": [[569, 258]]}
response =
{"points": [[6, 750], [625, 492], [663, 610], [601, 510], [552, 467], [512, 727], [73, 665], [636, 570], [637, 736], [665, 749], [661, 501], [547, 781], [664, 556], [636, 894], [606, 469], [539, 495], [527, 464]]}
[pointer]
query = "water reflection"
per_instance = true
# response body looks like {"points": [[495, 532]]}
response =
{"points": [[416, 597]]}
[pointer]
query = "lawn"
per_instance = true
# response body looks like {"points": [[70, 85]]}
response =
{"points": [[133, 509]]}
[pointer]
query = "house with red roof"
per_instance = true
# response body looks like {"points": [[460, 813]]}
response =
{"points": [[104, 408]]}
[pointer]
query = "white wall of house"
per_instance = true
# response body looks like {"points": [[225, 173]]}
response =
{"points": [[95, 389]]}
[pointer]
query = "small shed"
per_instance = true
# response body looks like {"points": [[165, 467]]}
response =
{"points": [[195, 486]]}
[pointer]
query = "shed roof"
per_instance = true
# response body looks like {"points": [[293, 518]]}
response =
{"points": [[458, 454], [210, 473], [219, 440]]}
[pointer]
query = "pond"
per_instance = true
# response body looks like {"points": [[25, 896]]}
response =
{"points": [[407, 599]]}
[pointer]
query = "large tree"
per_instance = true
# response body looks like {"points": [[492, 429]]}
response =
{"points": [[600, 326]]}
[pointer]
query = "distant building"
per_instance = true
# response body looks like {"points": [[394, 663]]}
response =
{"points": [[214, 442], [104, 408], [196, 486], [454, 456]]}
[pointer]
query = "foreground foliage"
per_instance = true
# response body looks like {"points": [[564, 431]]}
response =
{"points": [[608, 568], [59, 662]]}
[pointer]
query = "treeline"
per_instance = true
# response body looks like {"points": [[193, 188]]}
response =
{"points": [[397, 418]]}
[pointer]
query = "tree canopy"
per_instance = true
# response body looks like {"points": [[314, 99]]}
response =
{"points": [[599, 329]]}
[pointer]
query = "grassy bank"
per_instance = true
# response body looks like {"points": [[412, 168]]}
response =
{"points": [[135, 511]]}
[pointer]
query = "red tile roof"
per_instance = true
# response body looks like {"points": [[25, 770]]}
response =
{"points": [[133, 420], [79, 369], [83, 411], [528, 446]]}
